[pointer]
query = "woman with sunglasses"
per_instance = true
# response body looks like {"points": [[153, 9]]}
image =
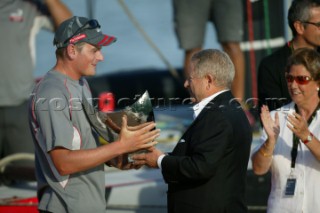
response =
{"points": [[290, 146]]}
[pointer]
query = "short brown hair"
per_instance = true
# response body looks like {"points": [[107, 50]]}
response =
{"points": [[309, 58], [60, 52]]}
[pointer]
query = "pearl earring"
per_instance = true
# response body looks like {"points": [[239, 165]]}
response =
{"points": [[318, 89]]}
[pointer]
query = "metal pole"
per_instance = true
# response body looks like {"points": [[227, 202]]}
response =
{"points": [[90, 8], [287, 30]]}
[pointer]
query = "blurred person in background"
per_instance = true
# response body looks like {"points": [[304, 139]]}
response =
{"points": [[20, 22], [190, 22], [304, 22]]}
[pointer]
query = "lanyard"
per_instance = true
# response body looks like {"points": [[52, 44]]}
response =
{"points": [[294, 150]]}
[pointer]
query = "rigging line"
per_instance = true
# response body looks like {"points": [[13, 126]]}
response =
{"points": [[251, 51], [172, 70], [267, 25]]}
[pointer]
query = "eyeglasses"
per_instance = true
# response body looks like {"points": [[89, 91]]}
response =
{"points": [[300, 79], [91, 24], [317, 24]]}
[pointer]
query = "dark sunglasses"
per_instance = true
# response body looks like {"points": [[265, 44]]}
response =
{"points": [[91, 24], [300, 79]]}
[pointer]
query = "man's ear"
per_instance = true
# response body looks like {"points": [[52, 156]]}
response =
{"points": [[299, 26], [71, 51], [210, 80]]}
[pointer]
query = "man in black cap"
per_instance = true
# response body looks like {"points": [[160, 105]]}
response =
{"points": [[69, 160]]}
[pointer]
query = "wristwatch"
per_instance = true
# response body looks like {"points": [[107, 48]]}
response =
{"points": [[309, 138]]}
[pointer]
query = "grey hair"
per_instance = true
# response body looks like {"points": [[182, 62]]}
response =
{"points": [[300, 11], [214, 62]]}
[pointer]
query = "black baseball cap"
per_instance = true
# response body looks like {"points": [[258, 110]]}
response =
{"points": [[81, 29]]}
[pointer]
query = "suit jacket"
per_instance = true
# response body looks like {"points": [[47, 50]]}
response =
{"points": [[272, 85], [206, 172]]}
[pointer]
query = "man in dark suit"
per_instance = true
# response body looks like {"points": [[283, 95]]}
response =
{"points": [[206, 172]]}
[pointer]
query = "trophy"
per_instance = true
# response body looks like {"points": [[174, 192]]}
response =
{"points": [[108, 124]]}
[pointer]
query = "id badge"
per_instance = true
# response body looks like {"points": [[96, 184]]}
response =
{"points": [[291, 185]]}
